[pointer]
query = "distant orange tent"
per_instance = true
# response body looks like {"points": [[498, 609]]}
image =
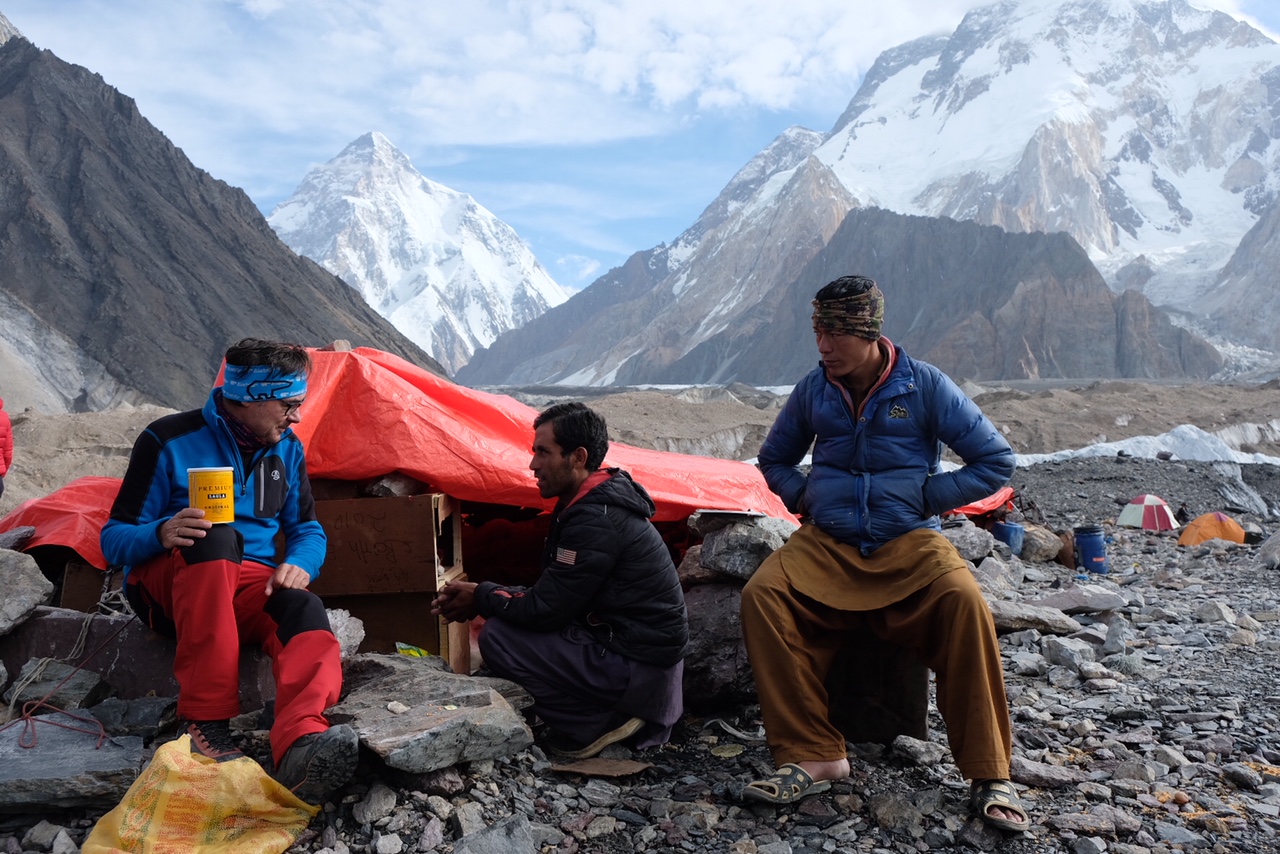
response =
{"points": [[1211, 526]]}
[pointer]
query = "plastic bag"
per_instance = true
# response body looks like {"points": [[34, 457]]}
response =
{"points": [[185, 802]]}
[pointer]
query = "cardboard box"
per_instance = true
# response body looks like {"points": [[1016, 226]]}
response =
{"points": [[387, 558]]}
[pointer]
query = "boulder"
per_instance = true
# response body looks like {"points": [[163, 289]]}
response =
{"points": [[737, 550], [692, 572], [25, 588], [441, 718], [64, 768], [1039, 545], [716, 670], [60, 685], [1082, 599], [1016, 616], [972, 542]]}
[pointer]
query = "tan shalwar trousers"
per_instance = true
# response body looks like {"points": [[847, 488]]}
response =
{"points": [[935, 609]]}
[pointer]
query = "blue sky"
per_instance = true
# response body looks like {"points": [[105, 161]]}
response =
{"points": [[596, 128]]}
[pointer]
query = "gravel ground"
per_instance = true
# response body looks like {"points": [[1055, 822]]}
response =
{"points": [[1168, 739]]}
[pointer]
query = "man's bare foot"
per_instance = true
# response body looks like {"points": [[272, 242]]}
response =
{"points": [[833, 769]]}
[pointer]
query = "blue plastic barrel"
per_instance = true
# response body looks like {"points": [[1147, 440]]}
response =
{"points": [[1011, 534], [1091, 549]]}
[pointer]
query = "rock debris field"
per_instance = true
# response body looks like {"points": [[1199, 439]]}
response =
{"points": [[1145, 703]]}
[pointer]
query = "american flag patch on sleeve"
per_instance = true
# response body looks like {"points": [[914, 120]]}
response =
{"points": [[569, 556]]}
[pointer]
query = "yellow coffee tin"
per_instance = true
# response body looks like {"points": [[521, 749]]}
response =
{"points": [[213, 491]]}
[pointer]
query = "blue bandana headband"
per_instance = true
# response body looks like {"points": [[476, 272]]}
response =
{"points": [[261, 382]]}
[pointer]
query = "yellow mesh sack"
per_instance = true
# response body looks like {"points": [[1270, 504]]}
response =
{"points": [[185, 802]]}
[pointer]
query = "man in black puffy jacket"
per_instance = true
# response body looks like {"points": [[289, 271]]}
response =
{"points": [[599, 639]]}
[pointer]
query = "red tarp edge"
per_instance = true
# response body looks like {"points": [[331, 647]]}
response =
{"points": [[370, 413]]}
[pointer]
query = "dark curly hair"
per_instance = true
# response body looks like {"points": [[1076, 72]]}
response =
{"points": [[575, 425]]}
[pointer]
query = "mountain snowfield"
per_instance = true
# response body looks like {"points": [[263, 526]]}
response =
{"points": [[1146, 130], [446, 272]]}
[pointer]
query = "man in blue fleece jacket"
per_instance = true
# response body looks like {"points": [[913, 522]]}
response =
{"points": [[215, 586]]}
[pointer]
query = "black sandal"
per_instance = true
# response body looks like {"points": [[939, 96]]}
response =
{"points": [[790, 783]]}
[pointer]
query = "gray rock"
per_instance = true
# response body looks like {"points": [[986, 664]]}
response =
{"points": [[65, 686], [1242, 776], [1125, 823], [716, 669], [377, 803], [1269, 551], [450, 719], [1068, 652], [1084, 823], [1039, 545], [924, 753], [65, 769], [1135, 769], [1215, 611], [1025, 663], [1168, 755], [469, 818], [348, 629], [140, 716], [432, 835], [509, 836], [972, 542], [692, 572], [63, 844], [599, 793], [737, 550], [1081, 599], [1088, 845], [42, 835], [389, 843], [996, 576], [896, 813], [1018, 616], [25, 588], [1176, 835], [14, 538], [1043, 775]]}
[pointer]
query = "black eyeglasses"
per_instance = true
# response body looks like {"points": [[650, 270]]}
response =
{"points": [[291, 407]]}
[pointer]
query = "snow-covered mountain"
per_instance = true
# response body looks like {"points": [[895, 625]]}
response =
{"points": [[1146, 130], [444, 270], [7, 30]]}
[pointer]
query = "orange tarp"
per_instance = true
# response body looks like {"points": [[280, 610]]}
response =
{"points": [[1211, 526], [369, 413]]}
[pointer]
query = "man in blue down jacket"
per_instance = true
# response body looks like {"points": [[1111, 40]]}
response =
{"points": [[599, 639], [870, 553]]}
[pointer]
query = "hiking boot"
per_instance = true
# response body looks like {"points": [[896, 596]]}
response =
{"points": [[212, 739], [317, 764], [624, 730]]}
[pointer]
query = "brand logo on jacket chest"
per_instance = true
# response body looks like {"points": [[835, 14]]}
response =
{"points": [[899, 411]]}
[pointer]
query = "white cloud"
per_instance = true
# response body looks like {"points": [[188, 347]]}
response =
{"points": [[577, 271], [257, 91]]}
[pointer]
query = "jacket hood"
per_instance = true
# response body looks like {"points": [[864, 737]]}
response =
{"points": [[621, 491]]}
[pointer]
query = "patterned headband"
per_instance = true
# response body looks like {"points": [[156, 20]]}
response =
{"points": [[861, 314], [261, 382]]}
